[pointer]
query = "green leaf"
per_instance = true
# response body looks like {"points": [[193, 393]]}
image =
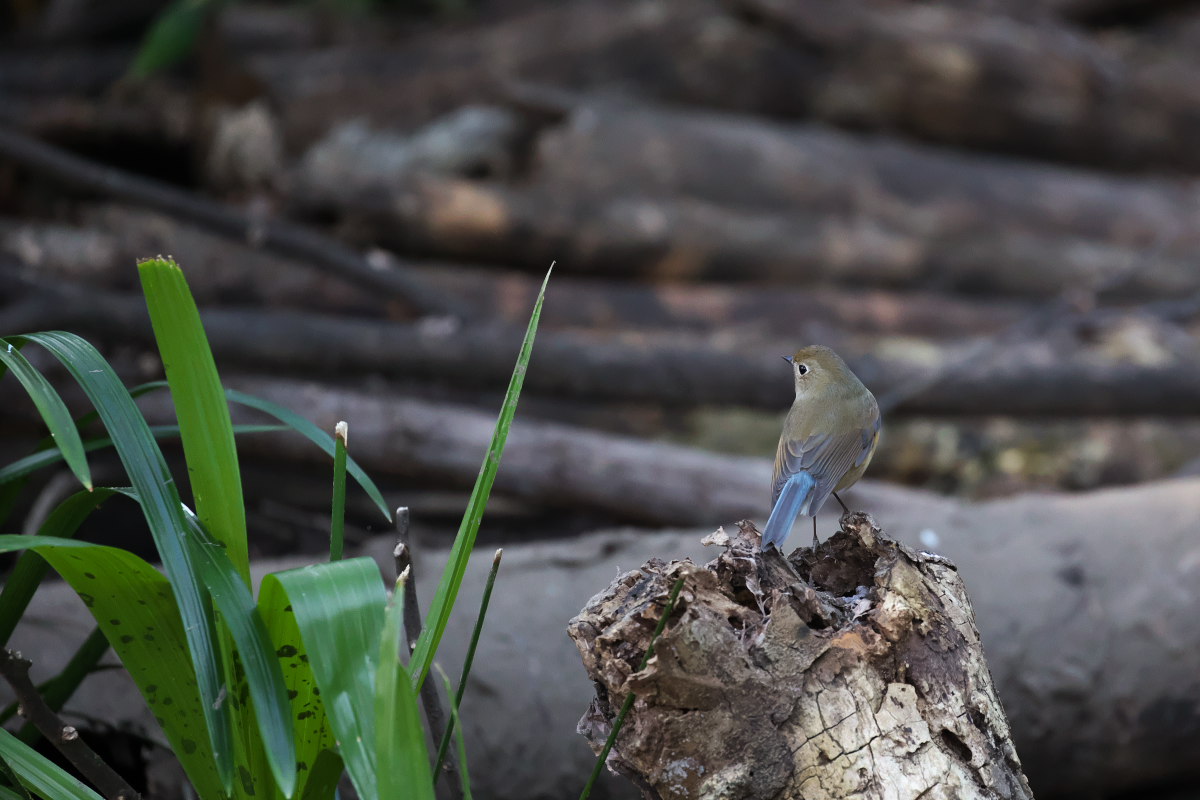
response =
{"points": [[323, 778], [133, 604], [339, 609], [163, 510], [464, 774], [40, 774], [399, 738], [309, 725], [262, 672], [44, 458], [54, 412], [172, 37], [337, 520], [205, 427], [464, 542], [317, 436]]}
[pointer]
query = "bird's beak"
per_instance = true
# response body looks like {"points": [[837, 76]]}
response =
{"points": [[787, 358]]}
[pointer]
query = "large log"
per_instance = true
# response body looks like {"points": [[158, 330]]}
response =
{"points": [[853, 669], [969, 78], [672, 239], [1083, 603], [100, 250], [952, 75], [1123, 366]]}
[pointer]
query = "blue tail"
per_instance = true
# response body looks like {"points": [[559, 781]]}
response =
{"points": [[791, 500]]}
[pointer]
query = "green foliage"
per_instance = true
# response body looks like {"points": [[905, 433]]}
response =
{"points": [[272, 698], [172, 36], [37, 774]]}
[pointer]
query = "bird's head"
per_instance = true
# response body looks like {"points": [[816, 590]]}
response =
{"points": [[815, 368]]}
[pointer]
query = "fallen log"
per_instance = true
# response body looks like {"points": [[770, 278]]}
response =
{"points": [[101, 249], [1128, 365], [949, 75], [283, 237], [680, 51], [679, 239], [611, 150], [968, 78], [852, 669], [1093, 650]]}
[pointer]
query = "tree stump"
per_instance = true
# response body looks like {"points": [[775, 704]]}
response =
{"points": [[854, 670]]}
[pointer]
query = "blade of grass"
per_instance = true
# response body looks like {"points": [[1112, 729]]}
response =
{"points": [[39, 773], [317, 436], [54, 412], [163, 510], [337, 528], [464, 542], [135, 607], [628, 704], [205, 427], [31, 568], [338, 608], [468, 661], [464, 775], [44, 458], [262, 671], [400, 752]]}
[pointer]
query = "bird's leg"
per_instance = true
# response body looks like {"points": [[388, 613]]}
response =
{"points": [[815, 533], [840, 503]]}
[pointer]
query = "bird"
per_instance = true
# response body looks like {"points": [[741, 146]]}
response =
{"points": [[828, 438]]}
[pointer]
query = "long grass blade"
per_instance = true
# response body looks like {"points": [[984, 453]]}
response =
{"points": [[464, 774], [263, 674], [53, 410], [45, 778], [135, 607], [317, 436], [161, 505], [464, 542], [628, 704], [337, 526], [468, 661], [205, 427], [44, 458], [400, 751], [338, 608]]}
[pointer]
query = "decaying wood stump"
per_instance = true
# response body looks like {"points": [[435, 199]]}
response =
{"points": [[854, 670]]}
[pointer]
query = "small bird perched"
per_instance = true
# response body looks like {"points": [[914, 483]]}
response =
{"points": [[829, 436]]}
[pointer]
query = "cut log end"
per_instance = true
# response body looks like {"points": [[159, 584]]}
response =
{"points": [[855, 669]]}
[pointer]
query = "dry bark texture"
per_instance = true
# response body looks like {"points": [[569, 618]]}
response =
{"points": [[862, 675]]}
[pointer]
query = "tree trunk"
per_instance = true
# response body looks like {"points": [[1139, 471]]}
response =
{"points": [[860, 676]]}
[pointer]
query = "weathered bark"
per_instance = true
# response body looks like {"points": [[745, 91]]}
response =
{"points": [[681, 51], [950, 75], [1082, 601], [687, 239], [1125, 365], [962, 77], [101, 250], [612, 150], [861, 673]]}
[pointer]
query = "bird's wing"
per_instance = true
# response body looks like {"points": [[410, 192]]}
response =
{"points": [[826, 457], [870, 437]]}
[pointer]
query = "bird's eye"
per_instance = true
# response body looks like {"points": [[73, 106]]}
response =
{"points": [[802, 369]]}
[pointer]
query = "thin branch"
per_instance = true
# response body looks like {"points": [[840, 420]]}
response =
{"points": [[281, 237], [63, 736], [412, 630]]}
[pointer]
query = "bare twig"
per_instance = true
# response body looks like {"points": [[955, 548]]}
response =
{"points": [[412, 631], [63, 736], [282, 237]]}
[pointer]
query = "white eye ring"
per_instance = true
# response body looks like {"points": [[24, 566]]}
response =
{"points": [[801, 368]]}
